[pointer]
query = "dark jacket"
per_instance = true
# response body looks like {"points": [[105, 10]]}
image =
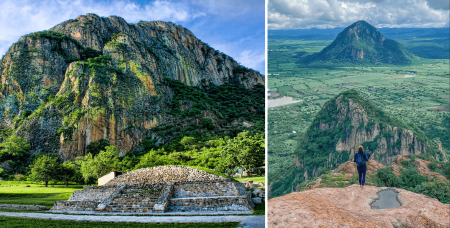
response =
{"points": [[366, 156]]}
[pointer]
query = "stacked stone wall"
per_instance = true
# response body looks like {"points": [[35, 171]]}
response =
{"points": [[218, 203], [89, 193], [75, 205], [23, 207], [204, 189]]}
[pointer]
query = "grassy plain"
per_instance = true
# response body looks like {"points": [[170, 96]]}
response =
{"points": [[13, 192], [411, 98], [254, 179]]}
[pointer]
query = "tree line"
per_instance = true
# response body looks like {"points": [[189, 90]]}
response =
{"points": [[222, 154]]}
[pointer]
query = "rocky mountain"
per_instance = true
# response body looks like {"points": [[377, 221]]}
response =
{"points": [[350, 207], [361, 43], [95, 77], [344, 123]]}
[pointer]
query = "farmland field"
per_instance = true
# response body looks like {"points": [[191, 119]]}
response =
{"points": [[417, 94]]}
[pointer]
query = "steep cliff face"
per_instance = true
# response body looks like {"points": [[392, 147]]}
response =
{"points": [[383, 141], [95, 77], [361, 43]]}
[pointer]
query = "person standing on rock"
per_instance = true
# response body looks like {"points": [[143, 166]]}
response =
{"points": [[360, 159]]}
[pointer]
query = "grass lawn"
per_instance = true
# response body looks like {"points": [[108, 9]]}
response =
{"points": [[34, 195], [259, 209], [254, 179], [25, 222]]}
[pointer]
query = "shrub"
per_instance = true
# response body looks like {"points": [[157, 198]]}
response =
{"points": [[432, 166], [20, 177], [411, 178], [385, 177], [437, 189]]}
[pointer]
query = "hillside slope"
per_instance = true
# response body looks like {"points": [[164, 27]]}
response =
{"points": [[344, 123], [95, 77], [361, 43]]}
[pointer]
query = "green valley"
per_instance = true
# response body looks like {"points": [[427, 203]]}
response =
{"points": [[415, 95]]}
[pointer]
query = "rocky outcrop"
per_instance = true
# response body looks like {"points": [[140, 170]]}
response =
{"points": [[95, 77], [389, 139], [421, 166], [350, 207], [349, 168]]}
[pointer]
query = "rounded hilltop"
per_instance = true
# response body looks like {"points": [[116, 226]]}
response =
{"points": [[160, 174]]}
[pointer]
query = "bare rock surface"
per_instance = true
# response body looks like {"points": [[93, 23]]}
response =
{"points": [[350, 167], [350, 207], [164, 174]]}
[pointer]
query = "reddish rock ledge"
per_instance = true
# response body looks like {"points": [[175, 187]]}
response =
{"points": [[350, 207]]}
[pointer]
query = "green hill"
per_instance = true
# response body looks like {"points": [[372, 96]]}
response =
{"points": [[361, 43]]}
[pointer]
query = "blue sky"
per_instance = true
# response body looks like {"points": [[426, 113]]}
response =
{"points": [[234, 27]]}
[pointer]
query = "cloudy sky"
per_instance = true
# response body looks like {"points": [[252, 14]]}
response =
{"points": [[301, 14], [234, 27]]}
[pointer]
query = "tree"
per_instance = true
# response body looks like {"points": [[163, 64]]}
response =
{"points": [[100, 164], [243, 151], [66, 172], [97, 146], [44, 169], [14, 148], [187, 142]]}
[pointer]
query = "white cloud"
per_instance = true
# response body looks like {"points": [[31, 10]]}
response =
{"points": [[252, 59], [294, 14]]}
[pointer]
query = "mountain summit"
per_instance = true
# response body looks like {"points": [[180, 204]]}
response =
{"points": [[361, 43]]}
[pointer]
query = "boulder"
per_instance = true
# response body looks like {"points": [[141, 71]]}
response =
{"points": [[257, 191], [256, 200]]}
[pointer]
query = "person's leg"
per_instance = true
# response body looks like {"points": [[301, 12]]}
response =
{"points": [[364, 169], [359, 174]]}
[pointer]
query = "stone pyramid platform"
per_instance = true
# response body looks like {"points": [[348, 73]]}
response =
{"points": [[162, 189]]}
